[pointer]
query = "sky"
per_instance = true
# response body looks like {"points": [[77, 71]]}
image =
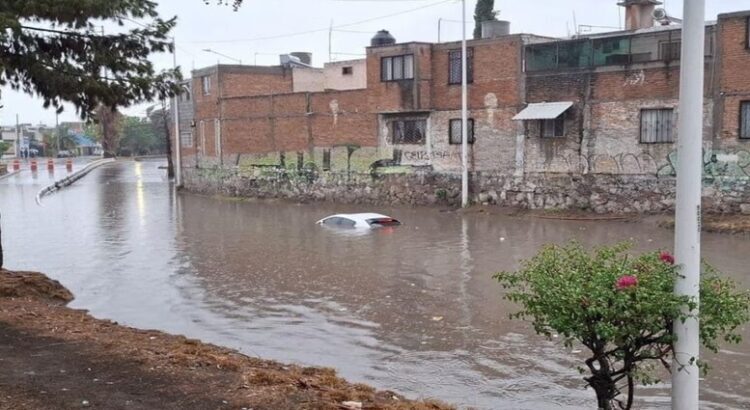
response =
{"points": [[262, 29]]}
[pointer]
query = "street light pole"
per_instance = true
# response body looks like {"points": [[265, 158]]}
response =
{"points": [[208, 50], [178, 143], [464, 114], [685, 372]]}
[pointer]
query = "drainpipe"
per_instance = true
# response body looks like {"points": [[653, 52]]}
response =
{"points": [[464, 114], [178, 143]]}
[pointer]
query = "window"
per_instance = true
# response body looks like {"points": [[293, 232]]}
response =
{"points": [[397, 68], [657, 126], [206, 84], [185, 96], [554, 128], [454, 66], [327, 160], [454, 132], [670, 51], [747, 34], [408, 131], [745, 120], [186, 139], [347, 70]]}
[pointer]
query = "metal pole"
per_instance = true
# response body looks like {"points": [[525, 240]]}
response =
{"points": [[440, 21], [177, 145], [330, 43], [464, 114], [685, 384], [18, 138], [57, 131]]}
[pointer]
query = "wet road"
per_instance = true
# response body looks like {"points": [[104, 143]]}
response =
{"points": [[412, 309]]}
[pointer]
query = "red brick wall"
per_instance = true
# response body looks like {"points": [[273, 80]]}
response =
{"points": [[245, 84], [734, 82], [497, 70], [297, 122], [403, 95]]}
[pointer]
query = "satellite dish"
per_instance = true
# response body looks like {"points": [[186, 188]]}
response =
{"points": [[660, 14]]}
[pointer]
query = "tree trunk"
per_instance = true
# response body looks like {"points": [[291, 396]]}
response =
{"points": [[168, 140]]}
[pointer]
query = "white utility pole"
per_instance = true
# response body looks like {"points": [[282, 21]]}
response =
{"points": [[177, 144], [685, 385], [464, 114]]}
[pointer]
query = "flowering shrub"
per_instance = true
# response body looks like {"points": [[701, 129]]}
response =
{"points": [[621, 308]]}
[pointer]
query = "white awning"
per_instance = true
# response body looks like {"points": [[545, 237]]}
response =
{"points": [[543, 111]]}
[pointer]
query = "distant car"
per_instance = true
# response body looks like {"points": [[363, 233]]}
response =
{"points": [[363, 220], [64, 154]]}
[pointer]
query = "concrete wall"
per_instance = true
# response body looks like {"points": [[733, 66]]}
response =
{"points": [[335, 79]]}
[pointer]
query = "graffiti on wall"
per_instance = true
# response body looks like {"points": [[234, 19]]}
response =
{"points": [[716, 163]]}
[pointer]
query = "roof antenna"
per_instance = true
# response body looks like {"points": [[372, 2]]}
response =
{"points": [[575, 23]]}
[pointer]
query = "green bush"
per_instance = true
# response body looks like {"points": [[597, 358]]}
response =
{"points": [[622, 309]]}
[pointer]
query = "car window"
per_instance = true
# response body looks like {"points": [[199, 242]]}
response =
{"points": [[383, 222], [338, 221]]}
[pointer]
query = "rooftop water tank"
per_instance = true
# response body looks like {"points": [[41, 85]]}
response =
{"points": [[383, 38], [495, 28]]}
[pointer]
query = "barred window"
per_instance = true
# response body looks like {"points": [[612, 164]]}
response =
{"points": [[657, 126], [186, 139], [552, 128], [408, 131], [454, 136], [397, 68], [454, 66], [745, 120]]}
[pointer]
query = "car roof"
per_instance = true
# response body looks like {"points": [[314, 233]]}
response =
{"points": [[360, 216]]}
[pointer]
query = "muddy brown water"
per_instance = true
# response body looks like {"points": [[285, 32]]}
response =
{"points": [[412, 309]]}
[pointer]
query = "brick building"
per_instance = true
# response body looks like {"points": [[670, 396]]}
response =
{"points": [[601, 104]]}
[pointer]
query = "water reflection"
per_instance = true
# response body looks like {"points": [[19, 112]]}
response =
{"points": [[412, 309]]}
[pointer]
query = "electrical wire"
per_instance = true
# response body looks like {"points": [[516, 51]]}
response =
{"points": [[320, 30]]}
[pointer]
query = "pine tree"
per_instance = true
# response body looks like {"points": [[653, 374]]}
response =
{"points": [[55, 50], [485, 11]]}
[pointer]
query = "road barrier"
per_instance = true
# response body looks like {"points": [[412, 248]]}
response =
{"points": [[34, 165], [69, 165], [50, 164], [70, 179], [16, 165]]}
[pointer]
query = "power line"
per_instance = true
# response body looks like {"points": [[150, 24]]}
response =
{"points": [[320, 30]]}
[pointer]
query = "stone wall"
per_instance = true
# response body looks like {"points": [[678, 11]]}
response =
{"points": [[598, 193]]}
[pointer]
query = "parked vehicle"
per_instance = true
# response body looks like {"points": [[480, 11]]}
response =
{"points": [[64, 154], [361, 220]]}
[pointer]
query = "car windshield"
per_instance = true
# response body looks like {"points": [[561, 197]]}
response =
{"points": [[383, 222]]}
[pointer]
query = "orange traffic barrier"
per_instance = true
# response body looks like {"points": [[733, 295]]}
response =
{"points": [[16, 165], [69, 164], [50, 164], [34, 165]]}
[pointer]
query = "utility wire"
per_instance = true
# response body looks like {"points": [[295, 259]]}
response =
{"points": [[320, 30]]}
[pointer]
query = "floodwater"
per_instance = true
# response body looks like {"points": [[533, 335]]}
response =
{"points": [[412, 309]]}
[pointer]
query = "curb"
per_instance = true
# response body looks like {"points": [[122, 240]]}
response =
{"points": [[10, 174], [70, 179]]}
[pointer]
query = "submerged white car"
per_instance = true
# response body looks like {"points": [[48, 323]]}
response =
{"points": [[364, 220]]}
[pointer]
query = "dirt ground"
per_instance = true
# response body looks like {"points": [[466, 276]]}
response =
{"points": [[54, 357], [731, 224]]}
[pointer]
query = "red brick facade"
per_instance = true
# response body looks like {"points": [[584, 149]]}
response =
{"points": [[253, 110]]}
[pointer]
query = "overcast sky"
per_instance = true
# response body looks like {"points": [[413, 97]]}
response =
{"points": [[244, 34]]}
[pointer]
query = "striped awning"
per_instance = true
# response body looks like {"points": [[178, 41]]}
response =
{"points": [[543, 111]]}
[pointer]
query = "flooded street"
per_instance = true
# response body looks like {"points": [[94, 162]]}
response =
{"points": [[412, 309]]}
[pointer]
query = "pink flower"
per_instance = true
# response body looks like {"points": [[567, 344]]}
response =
{"points": [[666, 257], [626, 282]]}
